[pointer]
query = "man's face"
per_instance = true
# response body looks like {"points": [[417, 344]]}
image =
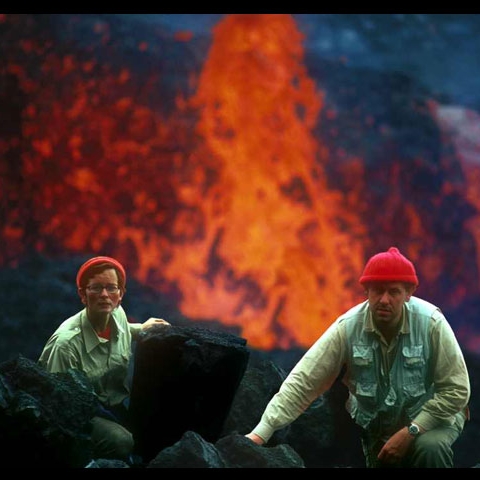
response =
{"points": [[386, 301], [97, 297]]}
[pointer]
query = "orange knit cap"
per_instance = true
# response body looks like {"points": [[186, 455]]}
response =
{"points": [[98, 261], [390, 266]]}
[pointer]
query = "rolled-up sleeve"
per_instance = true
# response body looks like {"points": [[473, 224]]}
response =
{"points": [[313, 375], [135, 329], [451, 379]]}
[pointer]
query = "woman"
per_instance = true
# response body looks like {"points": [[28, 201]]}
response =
{"points": [[98, 341]]}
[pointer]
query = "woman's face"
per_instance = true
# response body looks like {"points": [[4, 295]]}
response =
{"points": [[102, 294]]}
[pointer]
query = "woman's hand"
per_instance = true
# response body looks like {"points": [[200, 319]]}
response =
{"points": [[154, 321]]}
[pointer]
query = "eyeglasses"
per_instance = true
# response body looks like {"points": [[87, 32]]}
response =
{"points": [[98, 288]]}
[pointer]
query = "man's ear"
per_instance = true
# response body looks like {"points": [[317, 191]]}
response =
{"points": [[411, 291]]}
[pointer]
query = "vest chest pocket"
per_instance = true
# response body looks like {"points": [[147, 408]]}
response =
{"points": [[362, 355], [413, 356], [364, 381], [414, 370]]}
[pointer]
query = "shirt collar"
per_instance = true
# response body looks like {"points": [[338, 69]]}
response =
{"points": [[91, 338]]}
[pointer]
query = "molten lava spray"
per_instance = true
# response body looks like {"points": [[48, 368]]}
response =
{"points": [[274, 259], [221, 200]]}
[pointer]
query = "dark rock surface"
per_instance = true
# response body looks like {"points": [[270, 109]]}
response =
{"points": [[44, 416], [106, 463], [185, 378], [191, 451], [240, 452], [231, 451], [466, 448]]}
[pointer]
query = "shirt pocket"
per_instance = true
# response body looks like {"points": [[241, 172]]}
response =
{"points": [[120, 359]]}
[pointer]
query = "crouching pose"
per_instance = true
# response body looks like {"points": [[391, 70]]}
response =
{"points": [[98, 341], [406, 375]]}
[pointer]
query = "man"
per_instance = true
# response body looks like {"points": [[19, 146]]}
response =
{"points": [[97, 341], [407, 379]]}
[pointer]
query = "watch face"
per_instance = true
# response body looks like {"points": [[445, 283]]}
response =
{"points": [[413, 429]]}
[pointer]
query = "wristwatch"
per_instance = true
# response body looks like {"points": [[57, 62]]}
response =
{"points": [[414, 430]]}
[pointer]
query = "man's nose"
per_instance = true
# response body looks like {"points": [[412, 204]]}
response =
{"points": [[385, 298]]}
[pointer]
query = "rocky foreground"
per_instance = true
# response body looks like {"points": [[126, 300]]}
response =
{"points": [[195, 393]]}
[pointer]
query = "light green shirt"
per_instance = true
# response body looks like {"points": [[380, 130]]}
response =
{"points": [[316, 371], [75, 344]]}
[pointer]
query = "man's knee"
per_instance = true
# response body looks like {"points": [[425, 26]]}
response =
{"points": [[427, 445], [432, 451]]}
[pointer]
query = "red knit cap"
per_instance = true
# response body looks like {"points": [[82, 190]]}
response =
{"points": [[98, 261], [390, 266]]}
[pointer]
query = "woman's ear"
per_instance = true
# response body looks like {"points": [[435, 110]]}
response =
{"points": [[81, 294]]}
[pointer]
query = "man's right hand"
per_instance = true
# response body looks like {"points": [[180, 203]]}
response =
{"points": [[255, 438]]}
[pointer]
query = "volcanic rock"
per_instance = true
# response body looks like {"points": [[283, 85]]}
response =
{"points": [[44, 417], [231, 451], [185, 378]]}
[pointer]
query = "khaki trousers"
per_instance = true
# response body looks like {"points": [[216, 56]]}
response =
{"points": [[432, 449], [111, 440]]}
